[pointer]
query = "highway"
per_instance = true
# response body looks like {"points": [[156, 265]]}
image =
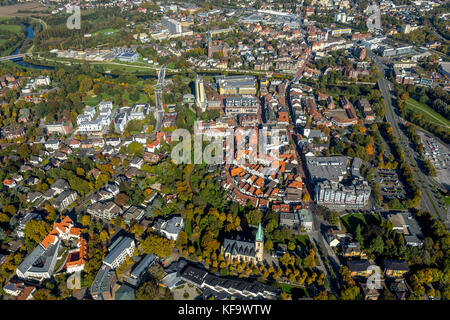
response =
{"points": [[424, 182]]}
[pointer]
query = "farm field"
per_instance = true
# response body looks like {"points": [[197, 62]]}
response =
{"points": [[24, 10]]}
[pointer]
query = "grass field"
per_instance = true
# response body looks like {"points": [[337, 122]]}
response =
{"points": [[351, 221], [11, 27], [302, 239], [427, 112], [447, 200], [103, 31], [93, 101]]}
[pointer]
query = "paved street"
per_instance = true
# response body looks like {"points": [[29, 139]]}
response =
{"points": [[429, 201]]}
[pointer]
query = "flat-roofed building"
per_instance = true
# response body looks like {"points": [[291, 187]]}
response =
{"points": [[119, 250], [327, 168], [233, 85], [406, 224]]}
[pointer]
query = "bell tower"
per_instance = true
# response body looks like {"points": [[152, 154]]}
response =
{"points": [[259, 244]]}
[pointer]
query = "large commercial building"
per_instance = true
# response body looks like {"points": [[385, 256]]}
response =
{"points": [[172, 25], [336, 194], [394, 52], [233, 85], [327, 174], [327, 168]]}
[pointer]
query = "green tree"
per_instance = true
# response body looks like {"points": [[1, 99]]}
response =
{"points": [[358, 235], [36, 230], [377, 245], [148, 291], [157, 245]]}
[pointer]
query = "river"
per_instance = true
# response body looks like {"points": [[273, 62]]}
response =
{"points": [[19, 61]]}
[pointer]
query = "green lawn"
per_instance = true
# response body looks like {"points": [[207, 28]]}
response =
{"points": [[103, 31], [302, 239], [427, 112], [11, 27], [296, 292], [351, 221], [171, 65], [447, 200], [92, 101]]}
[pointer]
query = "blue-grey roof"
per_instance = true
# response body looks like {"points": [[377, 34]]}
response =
{"points": [[172, 280], [174, 225], [117, 249], [235, 247], [102, 281], [143, 265], [40, 260]]}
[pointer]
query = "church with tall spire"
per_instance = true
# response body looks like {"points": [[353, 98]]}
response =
{"points": [[243, 250]]}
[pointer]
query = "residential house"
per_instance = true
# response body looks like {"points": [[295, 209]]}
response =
{"points": [[22, 222], [137, 163], [19, 289], [104, 210], [169, 228], [358, 268], [133, 213], [10, 183], [395, 268], [65, 199], [336, 237], [406, 224], [399, 288], [52, 144], [369, 293], [352, 249]]}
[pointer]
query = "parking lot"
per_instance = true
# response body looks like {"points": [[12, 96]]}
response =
{"points": [[439, 154], [390, 185]]}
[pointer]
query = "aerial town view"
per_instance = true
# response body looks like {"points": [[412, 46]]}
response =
{"points": [[225, 150]]}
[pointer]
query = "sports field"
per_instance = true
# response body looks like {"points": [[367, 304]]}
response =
{"points": [[427, 112]]}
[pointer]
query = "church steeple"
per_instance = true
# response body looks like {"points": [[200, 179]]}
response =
{"points": [[259, 244], [259, 234]]}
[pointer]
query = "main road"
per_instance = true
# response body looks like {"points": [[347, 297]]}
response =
{"points": [[424, 182]]}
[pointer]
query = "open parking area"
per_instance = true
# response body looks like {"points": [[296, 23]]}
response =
{"points": [[439, 154]]}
